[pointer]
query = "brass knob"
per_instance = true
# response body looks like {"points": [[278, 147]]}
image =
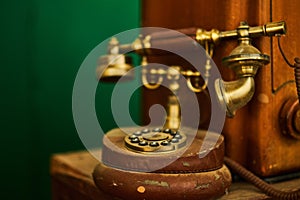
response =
{"points": [[289, 118]]}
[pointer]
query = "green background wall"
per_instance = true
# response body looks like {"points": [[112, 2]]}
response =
{"points": [[43, 43]]}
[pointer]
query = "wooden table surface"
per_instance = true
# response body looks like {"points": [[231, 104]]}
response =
{"points": [[73, 172]]}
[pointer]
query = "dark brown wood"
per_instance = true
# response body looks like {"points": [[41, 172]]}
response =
{"points": [[71, 175], [129, 185], [253, 137], [72, 179]]}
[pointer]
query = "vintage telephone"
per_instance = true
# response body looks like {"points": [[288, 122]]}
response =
{"points": [[130, 162]]}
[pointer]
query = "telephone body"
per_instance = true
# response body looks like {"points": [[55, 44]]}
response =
{"points": [[263, 136]]}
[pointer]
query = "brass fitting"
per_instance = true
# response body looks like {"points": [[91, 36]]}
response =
{"points": [[173, 118], [214, 36], [244, 60]]}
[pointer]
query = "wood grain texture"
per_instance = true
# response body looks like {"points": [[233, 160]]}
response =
{"points": [[71, 175], [253, 136]]}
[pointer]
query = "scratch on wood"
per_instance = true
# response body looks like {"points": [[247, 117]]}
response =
{"points": [[202, 186], [157, 183]]}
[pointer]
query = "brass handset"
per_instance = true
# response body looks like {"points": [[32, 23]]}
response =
{"points": [[244, 60]]}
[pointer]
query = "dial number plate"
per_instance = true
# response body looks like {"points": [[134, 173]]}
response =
{"points": [[155, 140]]}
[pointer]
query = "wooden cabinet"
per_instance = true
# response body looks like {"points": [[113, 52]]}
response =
{"points": [[253, 137]]}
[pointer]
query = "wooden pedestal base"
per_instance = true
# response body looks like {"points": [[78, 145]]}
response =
{"points": [[129, 185]]}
